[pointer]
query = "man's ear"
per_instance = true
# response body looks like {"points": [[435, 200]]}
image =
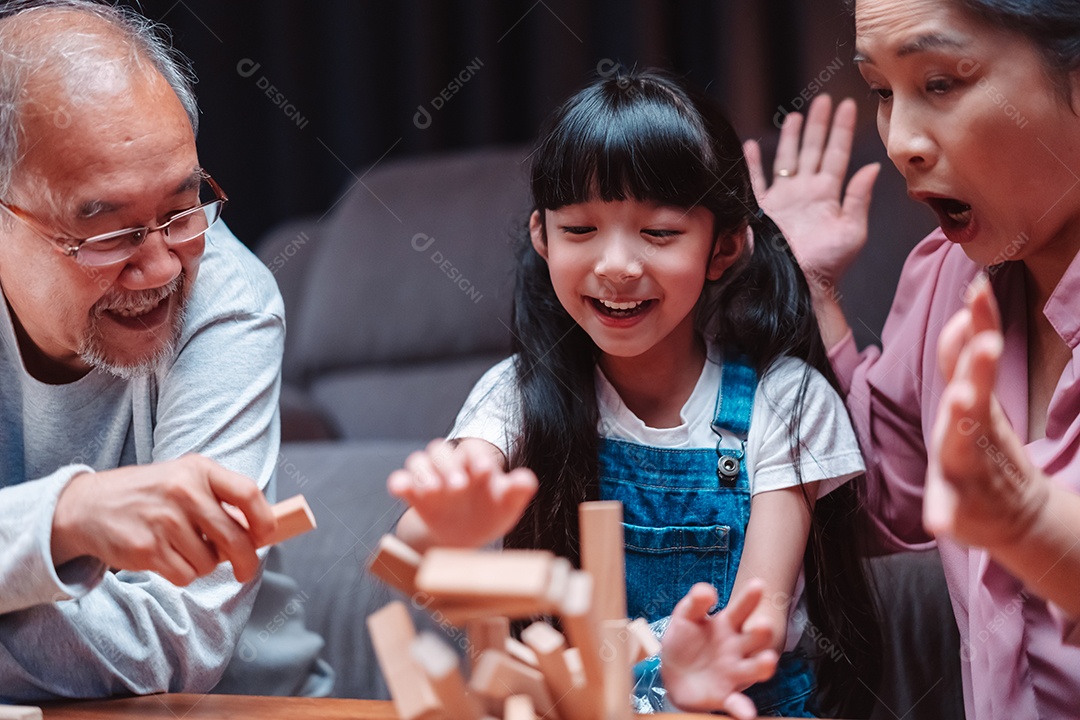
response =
{"points": [[727, 250], [536, 231]]}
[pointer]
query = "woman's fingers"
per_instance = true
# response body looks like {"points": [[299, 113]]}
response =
{"points": [[837, 153], [787, 149], [815, 134], [752, 151]]}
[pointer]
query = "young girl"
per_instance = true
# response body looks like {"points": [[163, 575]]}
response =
{"points": [[667, 356]]}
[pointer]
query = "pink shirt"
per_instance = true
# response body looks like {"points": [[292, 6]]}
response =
{"points": [[1018, 656]]}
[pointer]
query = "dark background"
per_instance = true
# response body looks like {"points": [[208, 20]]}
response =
{"points": [[352, 74], [301, 99]]}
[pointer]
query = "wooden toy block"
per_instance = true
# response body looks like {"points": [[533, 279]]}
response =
{"points": [[19, 712], [497, 676], [643, 643], [519, 707], [521, 652], [602, 555], [453, 576], [294, 518], [396, 564], [615, 653], [582, 629], [566, 686], [441, 665], [461, 614], [486, 634], [392, 634], [572, 656]]}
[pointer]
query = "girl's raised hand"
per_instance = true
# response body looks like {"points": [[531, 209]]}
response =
{"points": [[461, 494], [804, 199], [708, 659]]}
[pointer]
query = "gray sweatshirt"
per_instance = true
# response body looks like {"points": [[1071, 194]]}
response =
{"points": [[80, 630]]}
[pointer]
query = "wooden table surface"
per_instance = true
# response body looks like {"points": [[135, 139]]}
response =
{"points": [[241, 707]]}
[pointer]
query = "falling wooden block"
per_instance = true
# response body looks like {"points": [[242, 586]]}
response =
{"points": [[441, 666], [566, 686], [519, 707], [396, 563], [572, 656], [603, 555], [497, 676], [461, 614], [615, 654], [582, 629], [521, 652], [294, 517], [496, 579], [643, 643], [488, 633], [19, 712], [392, 634]]}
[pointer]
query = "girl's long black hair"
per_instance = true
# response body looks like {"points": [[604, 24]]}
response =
{"points": [[644, 136]]}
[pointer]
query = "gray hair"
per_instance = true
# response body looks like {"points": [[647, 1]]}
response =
{"points": [[145, 40]]}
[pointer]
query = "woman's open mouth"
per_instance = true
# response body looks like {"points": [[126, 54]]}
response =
{"points": [[955, 217]]}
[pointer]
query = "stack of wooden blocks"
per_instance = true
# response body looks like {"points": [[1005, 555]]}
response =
{"points": [[584, 675]]}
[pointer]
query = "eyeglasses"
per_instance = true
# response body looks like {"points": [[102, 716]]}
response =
{"points": [[117, 246]]}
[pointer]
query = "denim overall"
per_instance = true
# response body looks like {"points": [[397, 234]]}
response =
{"points": [[685, 513]]}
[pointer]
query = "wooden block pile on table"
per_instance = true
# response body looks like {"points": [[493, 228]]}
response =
{"points": [[582, 675]]}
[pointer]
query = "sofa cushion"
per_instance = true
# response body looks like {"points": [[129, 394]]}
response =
{"points": [[418, 400], [345, 485], [415, 263]]}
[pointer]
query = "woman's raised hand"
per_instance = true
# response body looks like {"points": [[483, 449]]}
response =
{"points": [[707, 660], [461, 494], [804, 199], [981, 488]]}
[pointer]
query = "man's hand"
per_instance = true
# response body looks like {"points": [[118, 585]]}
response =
{"points": [[165, 517], [708, 659], [461, 495], [825, 233]]}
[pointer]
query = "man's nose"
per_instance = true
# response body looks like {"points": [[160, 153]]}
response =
{"points": [[153, 265]]}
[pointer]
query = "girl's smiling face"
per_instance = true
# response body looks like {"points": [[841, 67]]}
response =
{"points": [[974, 121], [629, 272]]}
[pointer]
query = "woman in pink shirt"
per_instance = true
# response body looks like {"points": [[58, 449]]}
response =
{"points": [[970, 420]]}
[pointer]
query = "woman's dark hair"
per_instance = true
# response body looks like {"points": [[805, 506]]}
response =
{"points": [[1053, 26], [643, 136]]}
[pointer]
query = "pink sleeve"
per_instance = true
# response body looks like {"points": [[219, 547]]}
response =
{"points": [[889, 391]]}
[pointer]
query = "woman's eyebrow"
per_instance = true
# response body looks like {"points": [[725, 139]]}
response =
{"points": [[923, 43]]}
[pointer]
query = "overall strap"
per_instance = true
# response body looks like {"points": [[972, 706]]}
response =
{"points": [[734, 407]]}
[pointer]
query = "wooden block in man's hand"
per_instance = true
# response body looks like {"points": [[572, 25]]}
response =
{"points": [[19, 712], [294, 517]]}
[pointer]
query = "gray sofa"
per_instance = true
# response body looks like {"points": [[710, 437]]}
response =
{"points": [[397, 300]]}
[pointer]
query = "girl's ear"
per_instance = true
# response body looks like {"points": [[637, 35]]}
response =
{"points": [[727, 250], [536, 231]]}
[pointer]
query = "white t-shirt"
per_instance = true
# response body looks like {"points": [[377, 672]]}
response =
{"points": [[829, 453]]}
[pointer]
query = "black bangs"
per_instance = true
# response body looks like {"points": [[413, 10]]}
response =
{"points": [[626, 138]]}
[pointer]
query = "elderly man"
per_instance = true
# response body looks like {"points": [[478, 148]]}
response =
{"points": [[140, 348]]}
